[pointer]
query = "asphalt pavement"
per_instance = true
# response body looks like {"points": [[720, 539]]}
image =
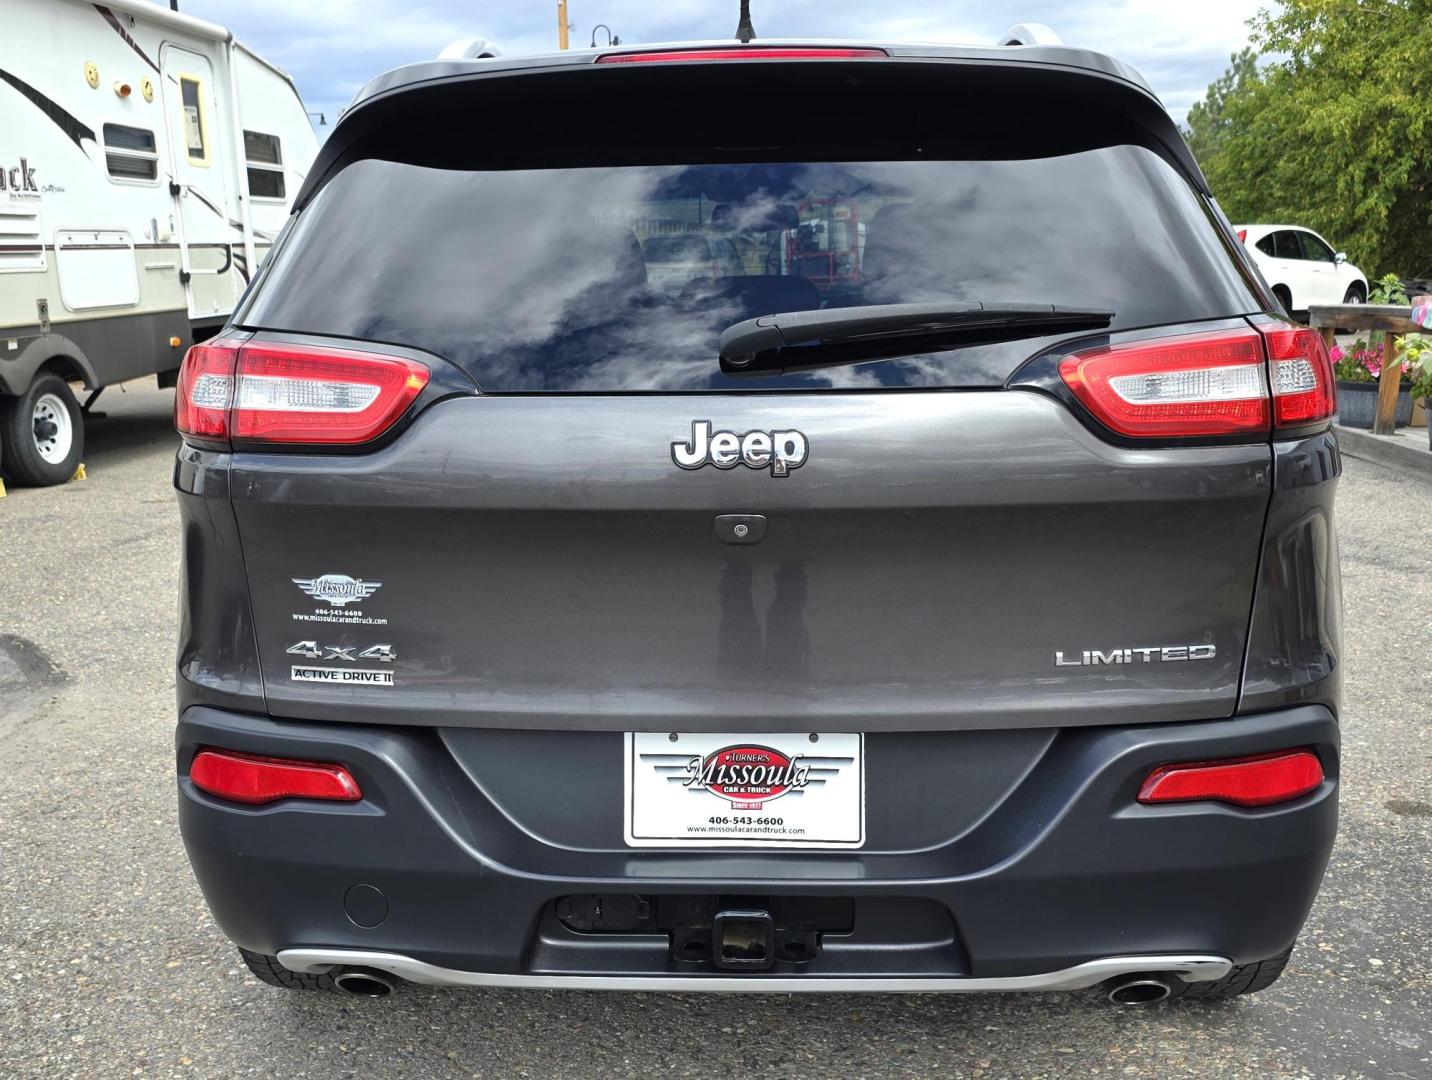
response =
{"points": [[111, 966]]}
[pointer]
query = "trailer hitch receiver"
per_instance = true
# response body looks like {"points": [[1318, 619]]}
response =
{"points": [[743, 939]]}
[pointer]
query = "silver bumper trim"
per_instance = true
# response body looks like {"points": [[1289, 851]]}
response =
{"points": [[1191, 967]]}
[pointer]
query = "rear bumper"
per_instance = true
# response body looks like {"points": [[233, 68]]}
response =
{"points": [[1080, 977], [1064, 871]]}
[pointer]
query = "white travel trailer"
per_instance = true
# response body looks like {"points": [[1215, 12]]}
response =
{"points": [[147, 161]]}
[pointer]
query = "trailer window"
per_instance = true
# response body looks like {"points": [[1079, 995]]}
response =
{"points": [[130, 153], [265, 162], [191, 96]]}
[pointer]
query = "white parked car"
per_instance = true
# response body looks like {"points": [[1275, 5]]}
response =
{"points": [[1302, 267]]}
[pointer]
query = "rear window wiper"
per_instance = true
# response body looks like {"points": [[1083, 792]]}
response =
{"points": [[832, 337]]}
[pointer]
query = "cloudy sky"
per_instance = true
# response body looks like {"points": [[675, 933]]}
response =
{"points": [[332, 47]]}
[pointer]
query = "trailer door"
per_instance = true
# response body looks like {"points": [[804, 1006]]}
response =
{"points": [[196, 146]]}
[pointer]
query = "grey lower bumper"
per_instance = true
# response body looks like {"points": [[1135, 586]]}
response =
{"points": [[1066, 870], [1190, 968]]}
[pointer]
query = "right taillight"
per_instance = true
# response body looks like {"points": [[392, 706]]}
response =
{"points": [[1191, 385], [1304, 388], [281, 393], [1215, 383]]}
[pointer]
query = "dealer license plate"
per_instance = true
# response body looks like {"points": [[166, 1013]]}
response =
{"points": [[750, 791]]}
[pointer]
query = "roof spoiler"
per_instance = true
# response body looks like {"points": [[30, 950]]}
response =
{"points": [[410, 114]]}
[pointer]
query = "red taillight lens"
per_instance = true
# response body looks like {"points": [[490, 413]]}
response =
{"points": [[250, 778], [1250, 781], [1304, 388], [205, 390], [293, 393], [1197, 384], [305, 394], [753, 52], [1243, 236]]}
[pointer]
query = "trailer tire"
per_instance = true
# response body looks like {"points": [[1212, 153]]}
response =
{"points": [[42, 432]]}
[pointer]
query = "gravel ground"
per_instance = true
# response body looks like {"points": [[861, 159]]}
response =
{"points": [[111, 966]]}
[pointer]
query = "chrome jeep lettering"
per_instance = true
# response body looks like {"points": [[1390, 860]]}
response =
{"points": [[781, 451]]}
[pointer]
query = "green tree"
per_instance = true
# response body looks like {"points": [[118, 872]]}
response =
{"points": [[1335, 132], [1208, 120]]}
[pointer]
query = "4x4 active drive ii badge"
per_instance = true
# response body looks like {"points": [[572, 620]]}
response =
{"points": [[346, 676]]}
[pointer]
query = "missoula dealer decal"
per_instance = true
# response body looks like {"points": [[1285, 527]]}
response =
{"points": [[749, 776], [336, 592], [793, 789]]}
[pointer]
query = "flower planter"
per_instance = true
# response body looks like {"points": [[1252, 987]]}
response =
{"points": [[1357, 404]]}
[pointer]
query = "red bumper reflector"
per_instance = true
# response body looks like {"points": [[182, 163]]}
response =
{"points": [[1252, 781], [753, 52], [250, 778]]}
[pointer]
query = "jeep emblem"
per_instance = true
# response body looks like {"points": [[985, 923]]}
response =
{"points": [[782, 451]]}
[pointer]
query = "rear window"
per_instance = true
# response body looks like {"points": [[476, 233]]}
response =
{"points": [[622, 278]]}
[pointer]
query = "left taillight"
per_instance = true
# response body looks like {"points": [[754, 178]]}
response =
{"points": [[205, 390], [255, 779], [276, 393]]}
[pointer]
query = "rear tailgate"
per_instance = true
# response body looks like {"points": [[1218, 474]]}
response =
{"points": [[541, 561], [951, 551]]}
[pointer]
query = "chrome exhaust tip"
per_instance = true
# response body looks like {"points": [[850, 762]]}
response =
{"points": [[1139, 990], [365, 982]]}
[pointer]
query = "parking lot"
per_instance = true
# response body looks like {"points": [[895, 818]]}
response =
{"points": [[111, 966]]}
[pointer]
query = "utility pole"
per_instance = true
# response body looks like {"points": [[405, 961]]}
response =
{"points": [[562, 24]]}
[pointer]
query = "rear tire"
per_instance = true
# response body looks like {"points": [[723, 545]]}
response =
{"points": [[267, 969], [1284, 297], [42, 433], [1355, 294], [1243, 979]]}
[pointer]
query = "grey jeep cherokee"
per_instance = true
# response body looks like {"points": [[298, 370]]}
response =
{"points": [[760, 517]]}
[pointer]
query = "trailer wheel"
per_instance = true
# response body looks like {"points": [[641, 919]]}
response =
{"points": [[42, 433]]}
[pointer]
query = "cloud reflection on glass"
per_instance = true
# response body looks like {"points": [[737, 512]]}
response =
{"points": [[622, 279]]}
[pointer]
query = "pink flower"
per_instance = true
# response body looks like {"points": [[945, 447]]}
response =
{"points": [[1336, 354]]}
